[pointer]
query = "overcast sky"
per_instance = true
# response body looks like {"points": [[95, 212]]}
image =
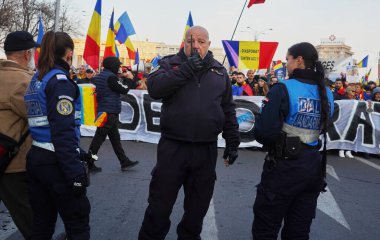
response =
{"points": [[292, 21]]}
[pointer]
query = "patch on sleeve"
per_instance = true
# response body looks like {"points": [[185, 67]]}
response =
{"points": [[65, 97], [265, 101], [64, 107], [61, 77]]}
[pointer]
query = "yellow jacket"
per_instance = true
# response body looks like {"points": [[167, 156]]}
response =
{"points": [[14, 79]]}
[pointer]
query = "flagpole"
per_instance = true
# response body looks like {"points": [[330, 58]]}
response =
{"points": [[233, 34]]}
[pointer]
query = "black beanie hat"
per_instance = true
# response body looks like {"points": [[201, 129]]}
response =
{"points": [[112, 64]]}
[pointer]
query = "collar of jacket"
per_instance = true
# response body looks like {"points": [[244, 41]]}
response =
{"points": [[13, 64], [305, 76], [63, 65]]}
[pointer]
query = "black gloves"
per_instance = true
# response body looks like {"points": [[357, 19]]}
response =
{"points": [[79, 186], [195, 62], [231, 154]]}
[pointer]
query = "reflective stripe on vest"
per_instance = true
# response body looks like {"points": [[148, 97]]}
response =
{"points": [[44, 145]]}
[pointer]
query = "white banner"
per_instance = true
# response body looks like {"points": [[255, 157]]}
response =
{"points": [[356, 124]]}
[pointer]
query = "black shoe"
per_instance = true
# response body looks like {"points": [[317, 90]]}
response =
{"points": [[93, 168], [128, 164]]}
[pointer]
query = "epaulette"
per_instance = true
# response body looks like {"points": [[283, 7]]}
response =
{"points": [[168, 56], [61, 77]]}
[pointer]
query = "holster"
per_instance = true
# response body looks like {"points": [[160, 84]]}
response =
{"points": [[292, 147], [284, 148]]}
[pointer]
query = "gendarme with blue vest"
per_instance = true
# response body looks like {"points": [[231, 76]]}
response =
{"points": [[303, 119], [54, 107]]}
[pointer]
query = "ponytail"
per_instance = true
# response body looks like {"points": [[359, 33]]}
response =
{"points": [[325, 107], [46, 58], [54, 46]]}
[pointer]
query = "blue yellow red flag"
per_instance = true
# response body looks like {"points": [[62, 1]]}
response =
{"points": [[110, 49], [39, 39], [124, 30], [363, 63], [92, 45], [189, 24]]}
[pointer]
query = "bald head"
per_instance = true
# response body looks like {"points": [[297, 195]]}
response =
{"points": [[199, 37]]}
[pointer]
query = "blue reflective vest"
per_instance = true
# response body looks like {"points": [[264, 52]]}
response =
{"points": [[35, 100], [304, 115]]}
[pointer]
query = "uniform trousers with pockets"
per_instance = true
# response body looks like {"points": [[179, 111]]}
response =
{"points": [[187, 164], [288, 193], [50, 194]]}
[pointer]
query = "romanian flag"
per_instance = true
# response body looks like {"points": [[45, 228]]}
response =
{"points": [[39, 39], [92, 46], [101, 119], [88, 104], [279, 70], [363, 63], [189, 24], [249, 55], [367, 75], [110, 50], [124, 30], [251, 2]]}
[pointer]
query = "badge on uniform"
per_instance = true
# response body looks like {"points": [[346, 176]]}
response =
{"points": [[64, 107]]}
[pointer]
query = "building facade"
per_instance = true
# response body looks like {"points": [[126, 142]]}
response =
{"points": [[147, 51]]}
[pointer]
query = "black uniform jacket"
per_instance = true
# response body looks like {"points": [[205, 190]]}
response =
{"points": [[197, 106]]}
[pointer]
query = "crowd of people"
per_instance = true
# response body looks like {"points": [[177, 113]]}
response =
{"points": [[84, 74]]}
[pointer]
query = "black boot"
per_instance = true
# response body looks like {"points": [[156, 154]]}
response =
{"points": [[128, 164], [91, 163]]}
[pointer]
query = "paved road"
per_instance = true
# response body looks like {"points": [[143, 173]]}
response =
{"points": [[350, 210]]}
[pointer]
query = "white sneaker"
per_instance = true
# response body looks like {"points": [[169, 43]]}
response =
{"points": [[349, 154], [341, 153]]}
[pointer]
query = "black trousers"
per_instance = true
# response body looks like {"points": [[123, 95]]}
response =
{"points": [[288, 193], [191, 165], [13, 192], [111, 130], [50, 194]]}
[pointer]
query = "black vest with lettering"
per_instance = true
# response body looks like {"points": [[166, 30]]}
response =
{"points": [[108, 100]]}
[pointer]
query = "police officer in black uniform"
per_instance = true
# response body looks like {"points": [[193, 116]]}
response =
{"points": [[56, 177], [197, 106], [293, 116], [108, 90]]}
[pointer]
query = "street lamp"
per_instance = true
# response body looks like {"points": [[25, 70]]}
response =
{"points": [[258, 33], [56, 20]]}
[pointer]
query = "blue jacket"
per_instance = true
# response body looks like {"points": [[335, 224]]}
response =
{"points": [[107, 99]]}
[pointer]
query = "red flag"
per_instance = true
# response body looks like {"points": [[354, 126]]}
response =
{"points": [[251, 2]]}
